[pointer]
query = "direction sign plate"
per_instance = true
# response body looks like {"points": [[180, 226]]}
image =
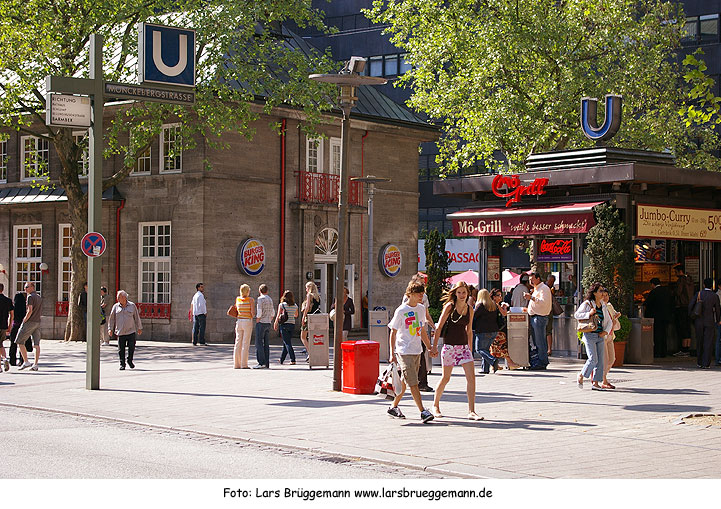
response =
{"points": [[63, 110]]}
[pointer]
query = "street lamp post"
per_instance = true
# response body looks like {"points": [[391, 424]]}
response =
{"points": [[371, 181], [347, 80]]}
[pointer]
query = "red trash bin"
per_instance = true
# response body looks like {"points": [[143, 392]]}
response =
{"points": [[360, 366]]}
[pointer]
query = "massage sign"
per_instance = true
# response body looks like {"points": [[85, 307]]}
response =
{"points": [[390, 260], [510, 187], [251, 257]]}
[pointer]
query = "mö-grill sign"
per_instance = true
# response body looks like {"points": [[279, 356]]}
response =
{"points": [[251, 257], [390, 260]]}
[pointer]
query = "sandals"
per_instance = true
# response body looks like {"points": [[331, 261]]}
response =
{"points": [[608, 385], [437, 413], [579, 381], [474, 416]]}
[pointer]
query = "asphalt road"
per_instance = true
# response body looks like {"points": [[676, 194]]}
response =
{"points": [[59, 446]]}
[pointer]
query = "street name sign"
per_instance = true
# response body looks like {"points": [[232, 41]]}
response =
{"points": [[155, 94], [63, 110]]}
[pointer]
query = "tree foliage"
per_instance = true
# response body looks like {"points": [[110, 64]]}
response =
{"points": [[436, 269], [611, 258], [505, 78], [242, 59]]}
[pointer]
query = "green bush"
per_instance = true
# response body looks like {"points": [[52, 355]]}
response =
{"points": [[625, 330], [435, 312]]}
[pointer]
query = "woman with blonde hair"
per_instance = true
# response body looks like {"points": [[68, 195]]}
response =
{"points": [[245, 306], [485, 328], [311, 305], [457, 345]]}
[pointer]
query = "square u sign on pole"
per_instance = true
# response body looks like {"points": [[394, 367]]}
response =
{"points": [[166, 55]]}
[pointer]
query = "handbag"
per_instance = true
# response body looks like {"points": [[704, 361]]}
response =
{"points": [[283, 317], [556, 307], [389, 381], [590, 324], [232, 311], [697, 310]]}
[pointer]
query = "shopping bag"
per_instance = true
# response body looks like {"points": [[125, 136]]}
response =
{"points": [[389, 382]]}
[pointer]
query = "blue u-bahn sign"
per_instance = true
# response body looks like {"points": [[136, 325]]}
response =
{"points": [[166, 55], [611, 122]]}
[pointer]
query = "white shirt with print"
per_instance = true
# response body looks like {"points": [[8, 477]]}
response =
{"points": [[408, 322]]}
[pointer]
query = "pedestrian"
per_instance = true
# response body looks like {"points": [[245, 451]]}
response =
{"points": [[348, 310], [718, 330], [6, 320], [457, 319], [285, 320], [682, 293], [706, 323], [199, 310], [245, 305], [264, 318], [659, 306], [485, 329], [423, 370], [311, 306], [124, 323], [408, 332], [83, 305], [499, 346], [364, 311], [104, 336], [517, 300], [19, 302], [539, 307], [551, 284], [594, 306], [609, 350], [30, 327]]}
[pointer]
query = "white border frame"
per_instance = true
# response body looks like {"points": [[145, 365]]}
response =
{"points": [[162, 169], [14, 246], [23, 177], [321, 159], [142, 258], [61, 259]]}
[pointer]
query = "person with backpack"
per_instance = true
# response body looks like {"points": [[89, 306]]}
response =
{"points": [[682, 293], [705, 319], [285, 319]]}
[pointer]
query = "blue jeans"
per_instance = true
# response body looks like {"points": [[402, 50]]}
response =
{"points": [[595, 349], [538, 334], [286, 332], [262, 347], [482, 345], [199, 329]]}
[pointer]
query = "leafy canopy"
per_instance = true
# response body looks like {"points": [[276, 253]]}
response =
{"points": [[505, 78]]}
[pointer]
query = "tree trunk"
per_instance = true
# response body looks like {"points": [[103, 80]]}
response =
{"points": [[75, 328]]}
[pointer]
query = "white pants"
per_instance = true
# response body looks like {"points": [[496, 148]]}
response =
{"points": [[243, 333]]}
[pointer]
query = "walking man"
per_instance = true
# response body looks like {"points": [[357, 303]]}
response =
{"points": [[200, 311], [6, 320], [659, 306], [264, 318], [124, 322], [683, 293], [19, 302], [539, 307], [30, 327], [706, 323]]}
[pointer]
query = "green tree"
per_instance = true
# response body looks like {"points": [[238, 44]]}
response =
{"points": [[246, 65], [611, 258], [436, 269], [505, 78]]}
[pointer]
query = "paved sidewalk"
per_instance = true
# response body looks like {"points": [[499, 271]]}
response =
{"points": [[537, 424]]}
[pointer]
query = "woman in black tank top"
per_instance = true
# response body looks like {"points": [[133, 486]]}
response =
{"points": [[455, 327]]}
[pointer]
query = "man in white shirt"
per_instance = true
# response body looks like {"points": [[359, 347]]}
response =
{"points": [[265, 314], [517, 299], [539, 307], [199, 311]]}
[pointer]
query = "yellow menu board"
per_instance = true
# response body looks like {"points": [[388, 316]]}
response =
{"points": [[656, 221]]}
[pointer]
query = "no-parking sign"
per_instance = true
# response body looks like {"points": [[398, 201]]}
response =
{"points": [[93, 244]]}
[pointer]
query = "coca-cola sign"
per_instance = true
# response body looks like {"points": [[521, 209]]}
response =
{"points": [[555, 250], [509, 186]]}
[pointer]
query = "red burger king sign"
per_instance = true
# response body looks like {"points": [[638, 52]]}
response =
{"points": [[251, 257], [390, 260]]}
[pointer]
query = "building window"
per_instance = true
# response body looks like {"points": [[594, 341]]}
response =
{"points": [[154, 262], [391, 65], [335, 153], [701, 30], [142, 165], [314, 155], [82, 141], [405, 65], [65, 242], [3, 161], [34, 158], [375, 66], [171, 153], [28, 256]]}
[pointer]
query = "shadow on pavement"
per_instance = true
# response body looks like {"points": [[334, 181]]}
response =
{"points": [[684, 392], [672, 409], [530, 425]]}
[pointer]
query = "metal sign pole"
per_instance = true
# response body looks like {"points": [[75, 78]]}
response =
{"points": [[95, 192]]}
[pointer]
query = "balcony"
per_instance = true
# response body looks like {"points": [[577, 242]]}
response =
{"points": [[152, 310], [323, 188]]}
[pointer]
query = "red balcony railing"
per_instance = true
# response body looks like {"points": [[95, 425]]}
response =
{"points": [[61, 308], [151, 310], [323, 188]]}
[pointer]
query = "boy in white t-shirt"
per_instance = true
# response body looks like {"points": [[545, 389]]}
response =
{"points": [[407, 331]]}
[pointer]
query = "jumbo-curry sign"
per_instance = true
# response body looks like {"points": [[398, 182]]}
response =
{"points": [[514, 189]]}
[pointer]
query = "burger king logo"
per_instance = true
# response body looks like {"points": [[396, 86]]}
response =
{"points": [[390, 260], [251, 257]]}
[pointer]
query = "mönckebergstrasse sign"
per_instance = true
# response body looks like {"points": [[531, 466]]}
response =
{"points": [[655, 221]]}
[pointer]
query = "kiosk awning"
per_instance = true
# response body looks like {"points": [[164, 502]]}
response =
{"points": [[563, 219]]}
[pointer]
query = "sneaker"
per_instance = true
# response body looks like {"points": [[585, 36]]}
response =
{"points": [[6, 364], [394, 411], [426, 416], [131, 364], [122, 368], [681, 354], [426, 388], [259, 366], [24, 365], [34, 367]]}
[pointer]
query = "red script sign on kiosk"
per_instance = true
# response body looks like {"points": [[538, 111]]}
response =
{"points": [[514, 189], [555, 250]]}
